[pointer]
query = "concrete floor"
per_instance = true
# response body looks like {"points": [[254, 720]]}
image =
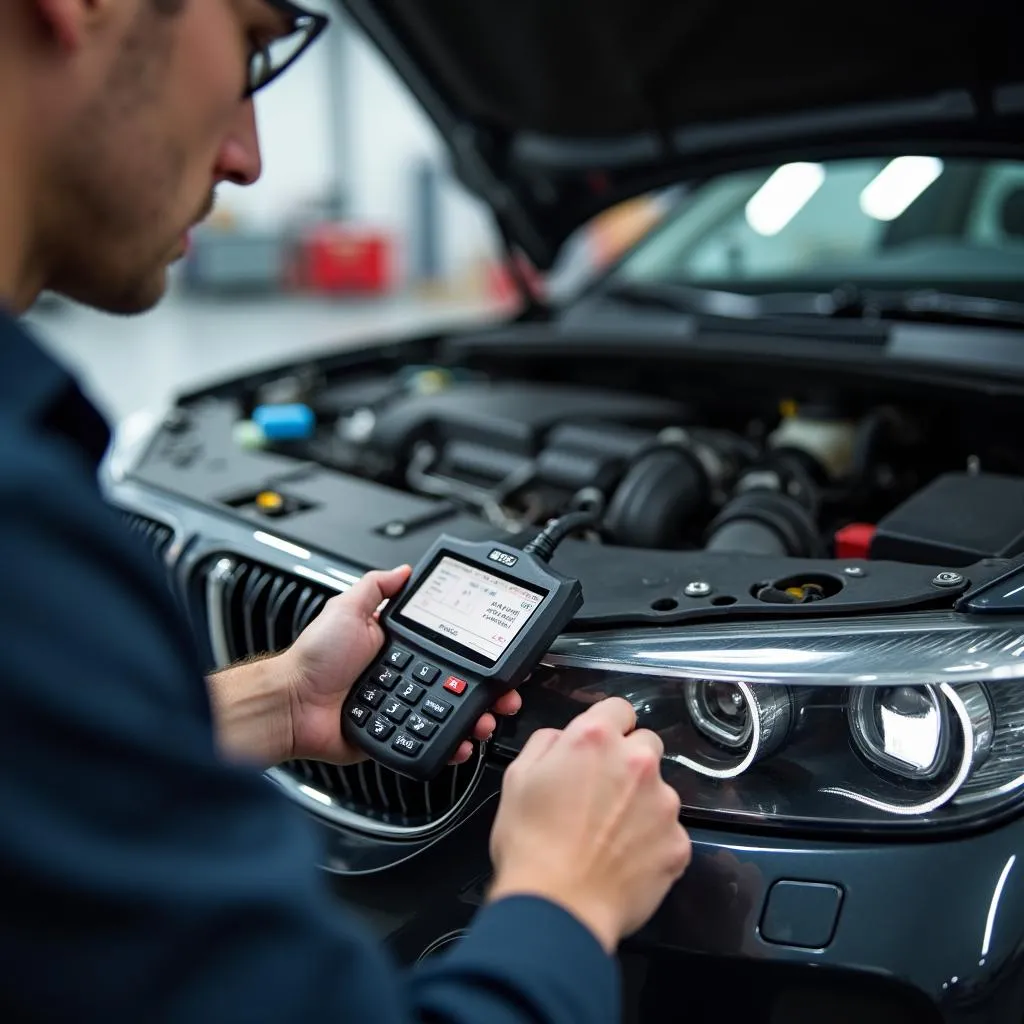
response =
{"points": [[127, 364]]}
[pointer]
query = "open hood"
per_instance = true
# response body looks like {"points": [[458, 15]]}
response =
{"points": [[557, 109]]}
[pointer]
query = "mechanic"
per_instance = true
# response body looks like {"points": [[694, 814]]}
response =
{"points": [[149, 871]]}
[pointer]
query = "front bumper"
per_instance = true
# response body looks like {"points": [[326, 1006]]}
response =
{"points": [[925, 931]]}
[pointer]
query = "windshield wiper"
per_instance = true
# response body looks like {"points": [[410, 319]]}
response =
{"points": [[924, 304], [846, 302], [677, 297]]}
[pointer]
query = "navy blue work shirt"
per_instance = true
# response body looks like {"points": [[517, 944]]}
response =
{"points": [[142, 878]]}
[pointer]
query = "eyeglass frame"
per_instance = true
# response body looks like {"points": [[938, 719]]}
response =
{"points": [[296, 12]]}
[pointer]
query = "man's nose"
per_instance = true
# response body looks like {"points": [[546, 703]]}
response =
{"points": [[239, 160]]}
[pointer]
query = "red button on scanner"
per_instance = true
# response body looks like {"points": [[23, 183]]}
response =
{"points": [[455, 685]]}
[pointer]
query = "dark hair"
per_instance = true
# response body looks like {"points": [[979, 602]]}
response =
{"points": [[168, 7]]}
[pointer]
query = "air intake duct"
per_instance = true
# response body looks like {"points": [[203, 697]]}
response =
{"points": [[772, 513]]}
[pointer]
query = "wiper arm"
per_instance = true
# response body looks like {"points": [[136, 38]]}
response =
{"points": [[845, 302], [680, 297], [925, 304], [677, 297]]}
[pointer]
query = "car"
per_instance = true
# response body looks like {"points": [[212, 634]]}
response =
{"points": [[797, 405]]}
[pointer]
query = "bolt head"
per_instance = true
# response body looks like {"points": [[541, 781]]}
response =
{"points": [[698, 588], [855, 571], [948, 579]]}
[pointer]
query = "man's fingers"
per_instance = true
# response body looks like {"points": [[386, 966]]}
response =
{"points": [[645, 738], [485, 726], [612, 711], [463, 754], [508, 703]]}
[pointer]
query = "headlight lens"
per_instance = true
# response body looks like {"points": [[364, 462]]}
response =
{"points": [[902, 729], [869, 724], [721, 712], [733, 725]]}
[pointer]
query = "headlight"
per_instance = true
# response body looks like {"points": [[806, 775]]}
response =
{"points": [[748, 723], [721, 711], [903, 729], [913, 720], [908, 730]]}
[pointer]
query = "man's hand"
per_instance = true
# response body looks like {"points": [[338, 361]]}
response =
{"points": [[586, 821], [331, 654]]}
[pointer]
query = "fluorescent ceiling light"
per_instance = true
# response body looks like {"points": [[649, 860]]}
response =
{"points": [[897, 185], [783, 196]]}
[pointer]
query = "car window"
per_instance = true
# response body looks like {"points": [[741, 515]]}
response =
{"points": [[905, 218]]}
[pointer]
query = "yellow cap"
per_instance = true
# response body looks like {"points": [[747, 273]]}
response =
{"points": [[269, 501]]}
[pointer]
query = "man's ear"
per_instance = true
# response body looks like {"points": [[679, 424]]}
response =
{"points": [[67, 22]]}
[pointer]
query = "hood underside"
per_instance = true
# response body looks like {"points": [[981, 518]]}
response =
{"points": [[555, 111]]}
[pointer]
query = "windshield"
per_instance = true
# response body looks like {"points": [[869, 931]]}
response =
{"points": [[906, 222]]}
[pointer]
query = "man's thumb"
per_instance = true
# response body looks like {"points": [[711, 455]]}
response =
{"points": [[378, 586]]}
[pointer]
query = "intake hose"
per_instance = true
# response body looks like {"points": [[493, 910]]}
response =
{"points": [[773, 514], [764, 523]]}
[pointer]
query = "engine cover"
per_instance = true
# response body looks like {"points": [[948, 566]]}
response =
{"points": [[514, 418]]}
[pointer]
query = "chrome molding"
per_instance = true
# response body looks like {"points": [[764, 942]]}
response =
{"points": [[215, 583], [318, 802], [915, 649]]}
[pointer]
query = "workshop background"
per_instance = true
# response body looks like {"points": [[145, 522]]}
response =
{"points": [[356, 231]]}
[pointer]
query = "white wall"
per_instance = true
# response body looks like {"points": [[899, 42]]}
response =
{"points": [[293, 116], [390, 134], [386, 134]]}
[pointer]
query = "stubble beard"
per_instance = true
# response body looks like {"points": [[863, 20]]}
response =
{"points": [[117, 184]]}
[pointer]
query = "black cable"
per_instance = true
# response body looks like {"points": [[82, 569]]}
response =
{"points": [[544, 544]]}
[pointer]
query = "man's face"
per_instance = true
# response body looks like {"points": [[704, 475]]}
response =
{"points": [[162, 122]]}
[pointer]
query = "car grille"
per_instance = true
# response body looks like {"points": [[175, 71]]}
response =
{"points": [[156, 535], [255, 609]]}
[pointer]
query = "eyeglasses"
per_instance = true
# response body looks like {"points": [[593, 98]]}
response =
{"points": [[271, 60]]}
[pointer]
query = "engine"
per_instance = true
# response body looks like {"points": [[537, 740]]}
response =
{"points": [[795, 478]]}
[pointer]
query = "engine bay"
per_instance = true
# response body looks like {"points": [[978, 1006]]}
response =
{"points": [[813, 478], [714, 493]]}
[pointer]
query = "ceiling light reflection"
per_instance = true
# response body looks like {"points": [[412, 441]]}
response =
{"points": [[783, 196], [897, 185]]}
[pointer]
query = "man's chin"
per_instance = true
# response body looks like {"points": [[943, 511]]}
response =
{"points": [[138, 297], [147, 295]]}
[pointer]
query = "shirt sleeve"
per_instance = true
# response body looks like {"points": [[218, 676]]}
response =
{"points": [[144, 879]]}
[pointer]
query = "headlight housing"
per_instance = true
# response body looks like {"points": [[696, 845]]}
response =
{"points": [[907, 721]]}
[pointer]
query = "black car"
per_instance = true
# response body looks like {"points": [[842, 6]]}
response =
{"points": [[798, 404]]}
